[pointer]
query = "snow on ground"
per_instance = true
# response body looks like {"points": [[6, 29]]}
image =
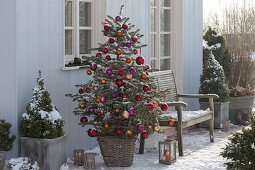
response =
{"points": [[199, 154]]}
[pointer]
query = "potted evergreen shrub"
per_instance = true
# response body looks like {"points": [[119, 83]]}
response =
{"points": [[213, 81], [240, 151], [120, 99], [6, 141], [42, 130]]}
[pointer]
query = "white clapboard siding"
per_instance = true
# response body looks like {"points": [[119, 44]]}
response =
{"points": [[192, 49]]}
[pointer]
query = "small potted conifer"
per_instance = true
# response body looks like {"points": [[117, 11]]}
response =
{"points": [[6, 141], [42, 130], [213, 81]]}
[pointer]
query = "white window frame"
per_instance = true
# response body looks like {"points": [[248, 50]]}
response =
{"points": [[98, 13], [157, 32]]}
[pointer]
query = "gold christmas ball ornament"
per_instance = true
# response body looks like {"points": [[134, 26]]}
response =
{"points": [[156, 128], [129, 76], [128, 60], [82, 105], [106, 125], [117, 110], [103, 81], [119, 52], [125, 115], [129, 132], [119, 34], [98, 100], [144, 76]]}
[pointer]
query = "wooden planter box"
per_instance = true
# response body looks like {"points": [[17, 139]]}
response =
{"points": [[240, 104], [221, 113], [49, 153]]}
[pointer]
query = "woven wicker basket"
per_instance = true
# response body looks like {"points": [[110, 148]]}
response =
{"points": [[117, 152]]}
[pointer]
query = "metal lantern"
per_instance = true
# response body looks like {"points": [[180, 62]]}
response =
{"points": [[89, 160], [78, 156], [167, 152]]}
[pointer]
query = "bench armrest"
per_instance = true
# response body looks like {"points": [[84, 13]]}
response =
{"points": [[198, 95], [177, 103]]}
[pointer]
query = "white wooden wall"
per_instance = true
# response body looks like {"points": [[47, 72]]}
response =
{"points": [[31, 38], [8, 91], [192, 47]]}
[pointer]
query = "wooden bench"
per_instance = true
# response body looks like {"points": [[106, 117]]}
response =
{"points": [[165, 80]]}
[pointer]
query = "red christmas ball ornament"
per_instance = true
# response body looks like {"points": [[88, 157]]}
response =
{"points": [[83, 119], [138, 97], [135, 51], [99, 114], [164, 106], [121, 72], [147, 67], [146, 88], [171, 122], [119, 131], [125, 96], [111, 40], [107, 27], [139, 60], [92, 132], [150, 106], [81, 90], [134, 38], [98, 55], [145, 135], [125, 26], [89, 71], [108, 57], [87, 90], [119, 82]]}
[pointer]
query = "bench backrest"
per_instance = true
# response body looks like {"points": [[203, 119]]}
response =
{"points": [[165, 80]]}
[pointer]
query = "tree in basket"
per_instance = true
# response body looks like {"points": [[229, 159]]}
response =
{"points": [[42, 128], [120, 98], [213, 81], [6, 140], [240, 151]]}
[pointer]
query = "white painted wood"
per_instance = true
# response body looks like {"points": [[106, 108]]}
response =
{"points": [[192, 47], [8, 84]]}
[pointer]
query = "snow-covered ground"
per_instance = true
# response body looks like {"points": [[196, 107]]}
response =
{"points": [[199, 154]]}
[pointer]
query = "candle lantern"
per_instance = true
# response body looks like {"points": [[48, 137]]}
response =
{"points": [[89, 160], [78, 156], [167, 152]]}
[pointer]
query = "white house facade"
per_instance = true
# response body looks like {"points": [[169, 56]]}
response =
{"points": [[47, 34]]}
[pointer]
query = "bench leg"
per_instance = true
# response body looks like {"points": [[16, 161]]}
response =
{"points": [[179, 130], [141, 146], [211, 122]]}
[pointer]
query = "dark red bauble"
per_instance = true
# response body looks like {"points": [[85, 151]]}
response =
{"points": [[119, 131], [108, 57], [119, 82], [134, 39], [111, 40], [147, 67], [146, 88], [139, 60], [98, 55], [138, 97], [87, 90], [145, 135], [150, 106], [83, 119], [92, 132], [121, 72], [99, 114], [125, 96], [164, 106], [125, 26], [81, 90], [106, 27]]}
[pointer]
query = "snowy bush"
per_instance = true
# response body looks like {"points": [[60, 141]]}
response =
{"points": [[42, 119], [212, 80], [241, 149]]}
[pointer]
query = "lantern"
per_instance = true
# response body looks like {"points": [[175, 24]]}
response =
{"points": [[167, 152], [78, 156], [89, 160]]}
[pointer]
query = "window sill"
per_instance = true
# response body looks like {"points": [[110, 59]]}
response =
{"points": [[75, 68]]}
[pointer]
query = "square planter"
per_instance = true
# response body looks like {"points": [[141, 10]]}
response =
{"points": [[221, 113], [240, 105], [49, 153], [2, 160]]}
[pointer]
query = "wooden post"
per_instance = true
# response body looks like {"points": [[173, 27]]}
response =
{"points": [[179, 130], [141, 147], [211, 122]]}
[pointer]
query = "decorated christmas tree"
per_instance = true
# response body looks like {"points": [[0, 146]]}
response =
{"points": [[120, 100], [42, 119], [213, 80], [240, 151]]}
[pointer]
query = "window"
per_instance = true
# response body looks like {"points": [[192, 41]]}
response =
{"points": [[78, 29], [161, 34]]}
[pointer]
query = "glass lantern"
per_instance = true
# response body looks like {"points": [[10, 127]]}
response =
{"points": [[89, 160], [167, 152], [78, 156]]}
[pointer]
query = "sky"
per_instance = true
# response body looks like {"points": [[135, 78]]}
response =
{"points": [[216, 6]]}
